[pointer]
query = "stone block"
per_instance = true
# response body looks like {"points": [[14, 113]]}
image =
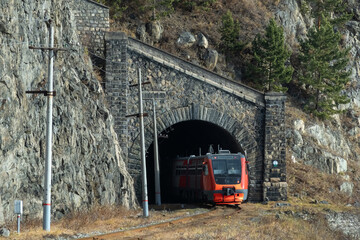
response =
{"points": [[267, 184], [274, 180]]}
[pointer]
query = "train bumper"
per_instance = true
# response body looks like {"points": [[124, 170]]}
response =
{"points": [[226, 197], [230, 199]]}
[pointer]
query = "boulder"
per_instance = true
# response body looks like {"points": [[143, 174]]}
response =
{"points": [[299, 125], [211, 58], [186, 39], [340, 165], [155, 30], [150, 32], [202, 41], [141, 33], [347, 187], [4, 232]]}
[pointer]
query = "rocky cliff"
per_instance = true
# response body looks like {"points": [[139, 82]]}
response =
{"points": [[87, 166], [331, 146]]}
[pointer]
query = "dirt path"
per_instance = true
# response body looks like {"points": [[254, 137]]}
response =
{"points": [[167, 229]]}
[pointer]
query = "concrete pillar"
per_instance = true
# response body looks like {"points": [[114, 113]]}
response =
{"points": [[117, 84], [275, 186]]}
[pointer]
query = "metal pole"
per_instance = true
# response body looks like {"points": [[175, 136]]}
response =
{"points": [[47, 180], [18, 223], [156, 159], [143, 158]]}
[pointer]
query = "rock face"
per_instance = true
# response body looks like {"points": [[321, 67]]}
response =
{"points": [[319, 146], [294, 23], [87, 167], [345, 222]]}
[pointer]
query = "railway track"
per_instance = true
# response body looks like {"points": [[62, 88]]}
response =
{"points": [[157, 229]]}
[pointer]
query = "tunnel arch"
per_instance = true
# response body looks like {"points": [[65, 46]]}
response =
{"points": [[255, 119], [234, 130]]}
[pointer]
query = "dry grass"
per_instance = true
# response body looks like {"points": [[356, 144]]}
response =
{"points": [[308, 183], [98, 219], [255, 221]]}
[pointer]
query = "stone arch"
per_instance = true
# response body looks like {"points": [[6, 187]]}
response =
{"points": [[199, 112]]}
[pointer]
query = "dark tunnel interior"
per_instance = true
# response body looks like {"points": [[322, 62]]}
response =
{"points": [[184, 139]]}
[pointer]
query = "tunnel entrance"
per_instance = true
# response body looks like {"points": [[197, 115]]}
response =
{"points": [[184, 139]]}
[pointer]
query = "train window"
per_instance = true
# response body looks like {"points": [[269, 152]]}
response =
{"points": [[219, 166], [233, 167], [227, 169]]}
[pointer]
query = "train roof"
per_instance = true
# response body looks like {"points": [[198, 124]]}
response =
{"points": [[221, 152]]}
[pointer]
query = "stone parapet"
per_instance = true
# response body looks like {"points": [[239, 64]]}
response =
{"points": [[197, 72]]}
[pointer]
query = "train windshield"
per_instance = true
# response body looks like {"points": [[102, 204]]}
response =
{"points": [[227, 169]]}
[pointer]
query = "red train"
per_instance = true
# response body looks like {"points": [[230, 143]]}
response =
{"points": [[216, 178]]}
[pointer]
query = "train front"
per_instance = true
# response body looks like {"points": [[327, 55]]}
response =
{"points": [[228, 175]]}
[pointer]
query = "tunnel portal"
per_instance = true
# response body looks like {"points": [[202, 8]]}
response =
{"points": [[186, 138]]}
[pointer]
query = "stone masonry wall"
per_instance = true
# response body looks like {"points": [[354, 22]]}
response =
{"points": [[92, 20], [191, 98], [275, 186], [117, 84]]}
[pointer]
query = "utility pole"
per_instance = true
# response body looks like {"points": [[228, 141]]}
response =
{"points": [[156, 159], [50, 93], [153, 95], [143, 157], [149, 95], [47, 181], [141, 116]]}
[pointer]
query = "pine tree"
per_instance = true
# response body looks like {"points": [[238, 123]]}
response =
{"points": [[323, 70], [328, 8], [268, 69], [230, 31]]}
